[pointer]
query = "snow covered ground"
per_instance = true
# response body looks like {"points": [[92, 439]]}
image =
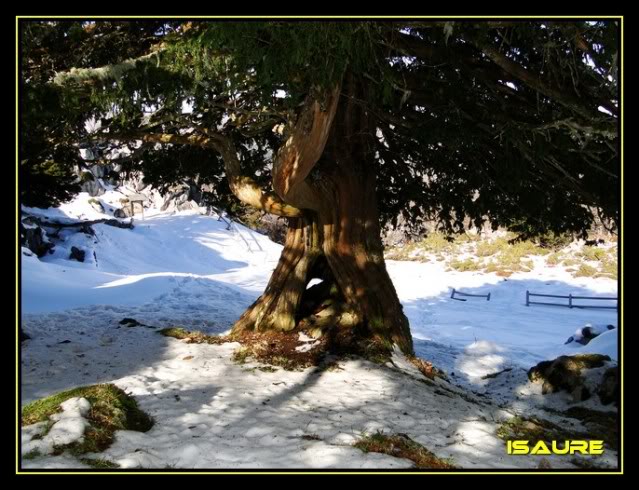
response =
{"points": [[188, 269], [488, 336]]}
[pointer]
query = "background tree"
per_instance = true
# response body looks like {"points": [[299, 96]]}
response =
{"points": [[343, 126]]}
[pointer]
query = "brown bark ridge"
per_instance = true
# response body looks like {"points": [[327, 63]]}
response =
{"points": [[326, 167]]}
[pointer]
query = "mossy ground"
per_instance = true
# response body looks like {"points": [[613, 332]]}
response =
{"points": [[402, 446], [111, 409], [32, 455], [598, 425], [602, 426], [536, 429]]}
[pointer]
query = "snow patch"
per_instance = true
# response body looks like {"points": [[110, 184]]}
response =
{"points": [[68, 427]]}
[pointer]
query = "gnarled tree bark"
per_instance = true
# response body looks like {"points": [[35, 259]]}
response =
{"points": [[327, 168], [324, 182]]}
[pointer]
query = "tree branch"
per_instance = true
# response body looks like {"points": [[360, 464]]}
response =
{"points": [[244, 188], [301, 151], [107, 72], [535, 82]]}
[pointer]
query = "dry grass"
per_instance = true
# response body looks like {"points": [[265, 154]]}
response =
{"points": [[465, 265], [427, 368], [193, 337], [585, 270], [504, 255], [402, 446]]}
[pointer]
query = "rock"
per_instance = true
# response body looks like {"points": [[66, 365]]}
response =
{"points": [[184, 206], [585, 334], [608, 390], [112, 178], [77, 254], [130, 322], [92, 187], [180, 197], [35, 239], [564, 374], [99, 171], [87, 154], [589, 333]]}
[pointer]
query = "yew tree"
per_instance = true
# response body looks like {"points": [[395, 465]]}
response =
{"points": [[344, 127]]}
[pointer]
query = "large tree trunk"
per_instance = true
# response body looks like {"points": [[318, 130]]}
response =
{"points": [[339, 242], [341, 247]]}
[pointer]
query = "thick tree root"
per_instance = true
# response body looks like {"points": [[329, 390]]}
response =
{"points": [[318, 339]]}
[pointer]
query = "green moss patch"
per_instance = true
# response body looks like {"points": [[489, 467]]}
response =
{"points": [[193, 337], [32, 455], [111, 409]]}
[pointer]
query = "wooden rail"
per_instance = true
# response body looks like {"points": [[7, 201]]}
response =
{"points": [[570, 299]]}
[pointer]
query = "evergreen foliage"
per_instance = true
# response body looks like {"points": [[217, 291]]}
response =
{"points": [[510, 122]]}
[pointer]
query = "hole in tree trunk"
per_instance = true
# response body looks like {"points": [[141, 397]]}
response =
{"points": [[313, 282]]}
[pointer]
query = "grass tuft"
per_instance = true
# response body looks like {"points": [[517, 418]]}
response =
{"points": [[402, 446], [192, 337], [427, 368], [585, 270], [465, 265], [32, 454]]}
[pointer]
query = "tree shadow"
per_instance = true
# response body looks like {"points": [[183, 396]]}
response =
{"points": [[211, 413]]}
